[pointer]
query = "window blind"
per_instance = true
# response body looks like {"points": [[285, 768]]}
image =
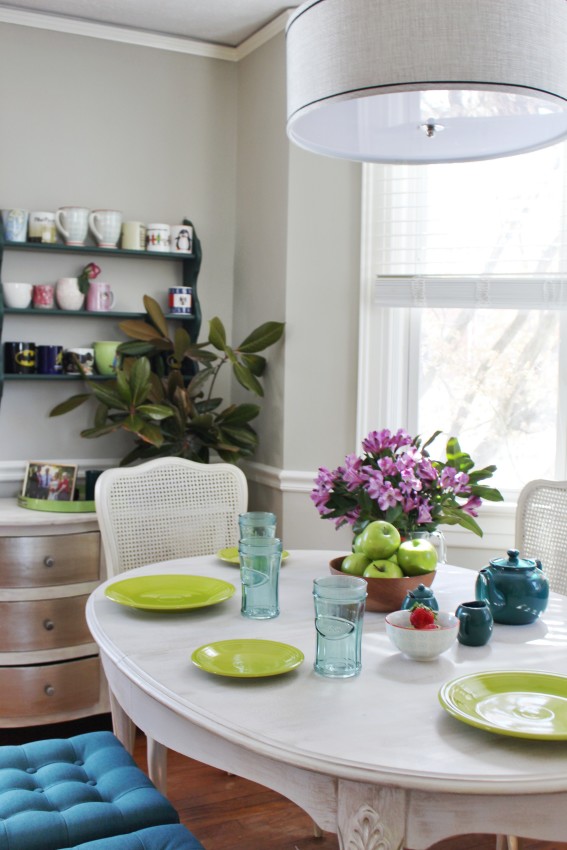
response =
{"points": [[497, 292]]}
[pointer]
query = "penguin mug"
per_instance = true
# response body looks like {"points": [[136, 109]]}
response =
{"points": [[181, 236]]}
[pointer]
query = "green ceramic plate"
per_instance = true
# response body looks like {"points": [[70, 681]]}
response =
{"points": [[169, 592], [516, 703], [247, 658], [230, 555], [78, 507]]}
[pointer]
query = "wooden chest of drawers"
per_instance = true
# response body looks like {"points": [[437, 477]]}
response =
{"points": [[49, 665]]}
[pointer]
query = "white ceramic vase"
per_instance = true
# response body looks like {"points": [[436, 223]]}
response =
{"points": [[68, 294]]}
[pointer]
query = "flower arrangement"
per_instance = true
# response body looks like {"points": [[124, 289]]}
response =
{"points": [[397, 481], [90, 272]]}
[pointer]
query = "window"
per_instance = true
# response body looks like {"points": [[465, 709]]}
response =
{"points": [[463, 326]]}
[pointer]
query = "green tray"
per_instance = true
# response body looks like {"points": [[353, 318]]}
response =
{"points": [[79, 507]]}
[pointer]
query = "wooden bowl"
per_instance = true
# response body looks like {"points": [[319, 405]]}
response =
{"points": [[386, 594]]}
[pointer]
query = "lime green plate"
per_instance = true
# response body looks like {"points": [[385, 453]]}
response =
{"points": [[515, 703], [78, 507], [169, 592], [230, 555], [247, 658]]}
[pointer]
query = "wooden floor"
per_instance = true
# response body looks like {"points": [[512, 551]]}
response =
{"points": [[229, 813]]}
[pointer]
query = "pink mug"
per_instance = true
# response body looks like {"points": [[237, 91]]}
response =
{"points": [[100, 297]]}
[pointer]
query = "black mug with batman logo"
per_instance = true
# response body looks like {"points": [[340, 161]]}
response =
{"points": [[19, 358]]}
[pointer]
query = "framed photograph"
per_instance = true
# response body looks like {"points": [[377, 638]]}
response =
{"points": [[45, 480]]}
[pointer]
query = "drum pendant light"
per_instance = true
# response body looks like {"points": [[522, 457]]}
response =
{"points": [[425, 81]]}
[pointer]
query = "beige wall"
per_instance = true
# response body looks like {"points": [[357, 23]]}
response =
{"points": [[106, 125]]}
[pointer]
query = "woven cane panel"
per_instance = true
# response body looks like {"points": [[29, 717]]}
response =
{"points": [[543, 532], [172, 512]]}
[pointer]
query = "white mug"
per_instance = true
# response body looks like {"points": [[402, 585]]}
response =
{"points": [[15, 225], [157, 237], [17, 295], [106, 224], [41, 227], [68, 294], [133, 236], [181, 238], [73, 224]]}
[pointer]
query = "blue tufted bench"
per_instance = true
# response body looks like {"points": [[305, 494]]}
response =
{"points": [[59, 793], [169, 837]]}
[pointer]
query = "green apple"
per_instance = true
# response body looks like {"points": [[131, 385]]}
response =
{"points": [[379, 540], [355, 564], [356, 543], [382, 569], [417, 557], [393, 558]]}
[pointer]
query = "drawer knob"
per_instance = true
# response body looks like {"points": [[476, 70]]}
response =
{"points": [[49, 690], [49, 560], [48, 625]]}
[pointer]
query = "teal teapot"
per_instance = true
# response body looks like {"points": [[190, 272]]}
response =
{"points": [[515, 588], [420, 595]]}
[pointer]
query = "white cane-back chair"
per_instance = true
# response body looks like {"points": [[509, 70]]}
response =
{"points": [[541, 528], [163, 509]]}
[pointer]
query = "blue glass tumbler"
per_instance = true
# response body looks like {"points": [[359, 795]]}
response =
{"points": [[339, 610], [260, 561], [257, 524]]}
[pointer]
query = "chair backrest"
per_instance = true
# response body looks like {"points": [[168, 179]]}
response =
{"points": [[541, 528], [168, 508]]}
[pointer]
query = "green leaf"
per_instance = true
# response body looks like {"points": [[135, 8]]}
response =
{"points": [[107, 396], [101, 431], [137, 329], [155, 313], [239, 414], [71, 403], [261, 338], [140, 380], [182, 342], [155, 411], [241, 436], [255, 362], [123, 387], [245, 377], [135, 349], [101, 414], [217, 334], [198, 381], [491, 494], [151, 434], [456, 516]]}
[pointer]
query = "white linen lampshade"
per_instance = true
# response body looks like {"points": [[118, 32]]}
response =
{"points": [[424, 81]]}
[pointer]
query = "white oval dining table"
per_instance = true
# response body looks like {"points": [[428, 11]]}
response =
{"points": [[375, 758]]}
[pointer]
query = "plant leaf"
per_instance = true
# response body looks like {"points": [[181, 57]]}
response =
{"points": [[261, 338], [239, 414], [138, 329], [140, 380], [245, 377], [155, 313], [70, 404], [255, 362], [105, 395], [155, 411], [217, 334]]}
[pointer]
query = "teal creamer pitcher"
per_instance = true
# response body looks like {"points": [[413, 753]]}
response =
{"points": [[515, 588]]}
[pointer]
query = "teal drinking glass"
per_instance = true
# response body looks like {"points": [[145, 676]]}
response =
{"points": [[260, 561], [339, 610], [257, 524]]}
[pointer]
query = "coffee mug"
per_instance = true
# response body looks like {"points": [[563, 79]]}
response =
{"points": [[49, 359], [475, 622], [180, 300], [44, 296], [19, 358], [100, 297], [106, 358], [157, 237], [181, 238], [84, 356], [68, 294], [133, 236], [41, 227], [73, 224], [17, 295], [15, 225], [105, 225]]}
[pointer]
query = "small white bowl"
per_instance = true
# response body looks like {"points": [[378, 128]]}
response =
{"points": [[421, 644]]}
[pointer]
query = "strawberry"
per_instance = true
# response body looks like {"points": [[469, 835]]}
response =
{"points": [[422, 617]]}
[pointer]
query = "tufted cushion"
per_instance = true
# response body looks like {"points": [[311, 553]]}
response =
{"points": [[61, 792], [168, 837]]}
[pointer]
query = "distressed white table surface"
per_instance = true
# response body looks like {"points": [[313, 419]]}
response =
{"points": [[374, 758]]}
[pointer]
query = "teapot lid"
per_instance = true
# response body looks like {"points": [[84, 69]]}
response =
{"points": [[514, 561], [421, 592]]}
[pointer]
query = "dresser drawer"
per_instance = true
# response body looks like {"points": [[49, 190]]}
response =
{"points": [[49, 688], [43, 624], [49, 561]]}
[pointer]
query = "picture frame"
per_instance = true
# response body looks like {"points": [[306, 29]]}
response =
{"points": [[50, 481]]}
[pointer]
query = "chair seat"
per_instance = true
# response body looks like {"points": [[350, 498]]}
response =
{"points": [[62, 792], [168, 837]]}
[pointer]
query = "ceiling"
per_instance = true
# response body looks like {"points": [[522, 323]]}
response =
{"points": [[225, 22]]}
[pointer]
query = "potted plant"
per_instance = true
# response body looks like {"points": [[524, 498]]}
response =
{"points": [[163, 391]]}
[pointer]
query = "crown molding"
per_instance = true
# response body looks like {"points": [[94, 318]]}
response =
{"points": [[142, 38]]}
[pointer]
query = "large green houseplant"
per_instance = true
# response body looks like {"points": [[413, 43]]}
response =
{"points": [[163, 391]]}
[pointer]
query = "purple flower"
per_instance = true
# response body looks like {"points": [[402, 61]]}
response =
{"points": [[374, 482], [471, 506], [376, 441], [352, 476], [389, 498], [424, 513], [387, 465]]}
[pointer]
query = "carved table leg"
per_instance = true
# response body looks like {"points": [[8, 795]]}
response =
{"points": [[370, 818]]}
